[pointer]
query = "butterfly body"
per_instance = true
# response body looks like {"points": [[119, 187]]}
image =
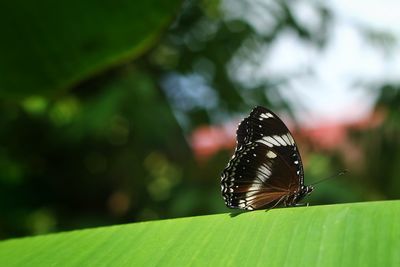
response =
{"points": [[266, 169]]}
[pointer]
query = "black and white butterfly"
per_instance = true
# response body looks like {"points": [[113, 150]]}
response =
{"points": [[266, 169]]}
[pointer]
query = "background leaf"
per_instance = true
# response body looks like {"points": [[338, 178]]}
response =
{"points": [[357, 234], [47, 46]]}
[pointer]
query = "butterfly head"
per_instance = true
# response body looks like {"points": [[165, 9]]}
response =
{"points": [[302, 193], [306, 189]]}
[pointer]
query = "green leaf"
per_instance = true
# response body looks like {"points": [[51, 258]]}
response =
{"points": [[360, 234], [49, 45]]}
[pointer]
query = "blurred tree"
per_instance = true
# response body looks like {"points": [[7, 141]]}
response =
{"points": [[381, 147]]}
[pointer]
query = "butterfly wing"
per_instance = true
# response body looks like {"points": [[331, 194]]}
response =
{"points": [[264, 126], [266, 167]]}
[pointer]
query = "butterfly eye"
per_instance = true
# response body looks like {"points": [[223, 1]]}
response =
{"points": [[309, 189]]}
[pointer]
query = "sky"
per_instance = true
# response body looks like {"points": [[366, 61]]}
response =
{"points": [[337, 83]]}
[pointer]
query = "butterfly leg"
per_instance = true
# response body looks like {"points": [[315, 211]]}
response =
{"points": [[283, 198], [302, 204]]}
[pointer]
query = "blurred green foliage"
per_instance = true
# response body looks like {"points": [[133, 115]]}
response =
{"points": [[49, 46], [114, 148]]}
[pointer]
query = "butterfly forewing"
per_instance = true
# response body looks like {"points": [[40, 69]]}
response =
{"points": [[266, 167]]}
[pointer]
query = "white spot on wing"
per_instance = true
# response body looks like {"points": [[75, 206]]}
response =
{"points": [[291, 139], [264, 142], [286, 138], [280, 140], [271, 140], [264, 172], [266, 115], [271, 154], [255, 186]]}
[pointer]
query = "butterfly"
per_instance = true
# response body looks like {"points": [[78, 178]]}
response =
{"points": [[266, 169]]}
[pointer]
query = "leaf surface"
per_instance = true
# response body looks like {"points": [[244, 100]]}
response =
{"points": [[356, 234]]}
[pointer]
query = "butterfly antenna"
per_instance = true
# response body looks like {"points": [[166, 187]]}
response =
{"points": [[330, 177]]}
